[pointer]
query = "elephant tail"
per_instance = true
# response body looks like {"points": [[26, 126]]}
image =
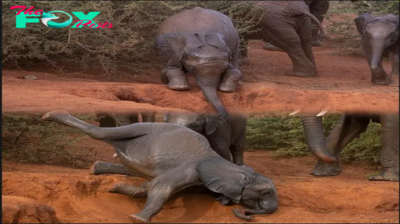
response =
{"points": [[322, 34]]}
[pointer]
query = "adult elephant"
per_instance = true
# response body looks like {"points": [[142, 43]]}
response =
{"points": [[287, 25], [350, 127], [203, 42], [318, 8], [379, 36]]}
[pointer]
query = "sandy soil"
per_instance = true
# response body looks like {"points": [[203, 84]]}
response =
{"points": [[78, 197], [31, 192], [343, 85]]}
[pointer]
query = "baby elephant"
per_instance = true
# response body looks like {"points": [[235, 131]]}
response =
{"points": [[172, 158], [229, 140]]}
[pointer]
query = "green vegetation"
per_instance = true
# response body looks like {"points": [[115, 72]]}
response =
{"points": [[284, 135], [26, 138], [129, 42]]}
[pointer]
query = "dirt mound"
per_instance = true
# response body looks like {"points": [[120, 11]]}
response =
{"points": [[25, 210], [80, 197]]}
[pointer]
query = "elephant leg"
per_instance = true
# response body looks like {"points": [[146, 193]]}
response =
{"points": [[390, 149], [175, 78], [284, 36], [305, 34], [270, 47], [244, 57], [394, 60], [237, 150], [348, 129], [161, 188], [221, 147], [128, 190], [319, 10], [378, 74], [100, 167], [230, 80]]}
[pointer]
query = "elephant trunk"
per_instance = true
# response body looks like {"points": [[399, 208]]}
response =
{"points": [[245, 213], [208, 85], [315, 138], [322, 33], [377, 50]]}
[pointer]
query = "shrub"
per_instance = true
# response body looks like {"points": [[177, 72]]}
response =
{"points": [[127, 46]]}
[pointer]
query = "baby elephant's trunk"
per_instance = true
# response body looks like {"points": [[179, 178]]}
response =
{"points": [[245, 213]]}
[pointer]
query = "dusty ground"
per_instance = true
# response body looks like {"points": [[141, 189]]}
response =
{"points": [[31, 192], [77, 196], [343, 84]]}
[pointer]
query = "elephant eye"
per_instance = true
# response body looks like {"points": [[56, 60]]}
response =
{"points": [[266, 193]]}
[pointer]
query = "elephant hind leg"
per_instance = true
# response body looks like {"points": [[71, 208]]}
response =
{"points": [[100, 167], [284, 36], [128, 190], [348, 129]]}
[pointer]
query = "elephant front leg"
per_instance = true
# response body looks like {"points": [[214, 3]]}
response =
{"points": [[175, 78], [348, 129], [394, 60], [161, 188], [390, 149], [230, 80], [100, 167], [270, 47], [128, 190]]}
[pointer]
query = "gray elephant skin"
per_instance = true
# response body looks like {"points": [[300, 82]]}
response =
{"points": [[173, 157], [205, 43], [229, 140], [287, 25], [350, 127], [379, 36], [318, 8]]}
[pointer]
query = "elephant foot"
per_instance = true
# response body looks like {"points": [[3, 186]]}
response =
{"points": [[382, 82], [223, 200], [137, 219], [316, 43], [230, 80], [301, 74], [270, 47], [178, 84], [326, 169], [387, 174], [94, 169]]}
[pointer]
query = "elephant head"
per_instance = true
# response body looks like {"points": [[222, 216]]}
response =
{"points": [[207, 56], [378, 33], [194, 121], [240, 184]]}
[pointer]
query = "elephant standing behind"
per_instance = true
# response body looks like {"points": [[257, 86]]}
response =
{"points": [[318, 8], [203, 42], [287, 25], [350, 127], [379, 36], [229, 140]]}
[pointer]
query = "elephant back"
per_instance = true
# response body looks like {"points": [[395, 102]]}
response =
{"points": [[200, 20]]}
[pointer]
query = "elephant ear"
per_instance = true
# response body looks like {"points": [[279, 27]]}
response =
{"points": [[217, 40], [224, 177], [360, 21], [393, 18]]}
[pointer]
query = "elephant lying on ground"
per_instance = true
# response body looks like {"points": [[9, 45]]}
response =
{"points": [[318, 8], [203, 42], [349, 128], [379, 36], [172, 158], [287, 25], [229, 140]]}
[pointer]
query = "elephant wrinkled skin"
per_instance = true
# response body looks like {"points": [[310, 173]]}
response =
{"points": [[287, 25], [349, 128], [203, 42], [173, 157]]}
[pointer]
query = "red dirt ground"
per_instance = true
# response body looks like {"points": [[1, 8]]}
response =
{"points": [[343, 84]]}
